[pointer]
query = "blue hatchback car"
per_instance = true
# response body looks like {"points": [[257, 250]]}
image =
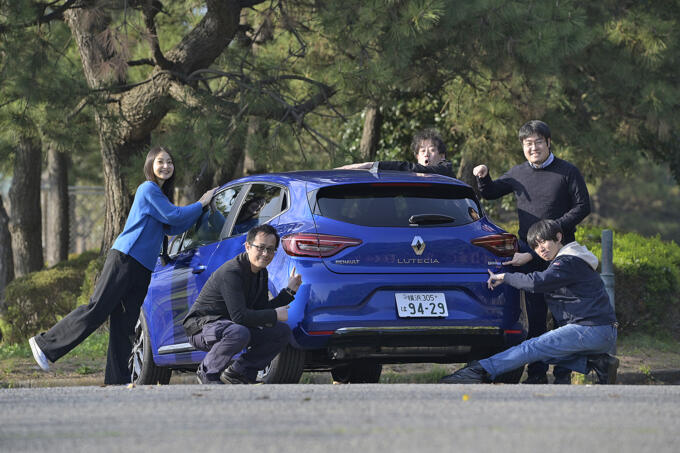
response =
{"points": [[393, 264]]}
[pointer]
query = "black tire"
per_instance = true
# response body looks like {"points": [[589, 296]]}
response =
{"points": [[141, 364], [286, 368], [357, 372], [511, 377]]}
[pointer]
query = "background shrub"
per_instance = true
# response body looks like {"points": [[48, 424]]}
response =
{"points": [[34, 302], [646, 279]]}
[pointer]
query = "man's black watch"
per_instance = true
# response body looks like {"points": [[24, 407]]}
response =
{"points": [[290, 292]]}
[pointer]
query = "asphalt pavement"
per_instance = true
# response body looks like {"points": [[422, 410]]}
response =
{"points": [[341, 418]]}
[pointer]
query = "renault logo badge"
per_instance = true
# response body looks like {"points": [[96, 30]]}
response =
{"points": [[418, 245]]}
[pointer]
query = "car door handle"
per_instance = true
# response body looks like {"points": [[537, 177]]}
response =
{"points": [[199, 269]]}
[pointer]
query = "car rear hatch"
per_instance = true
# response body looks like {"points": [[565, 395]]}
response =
{"points": [[391, 227]]}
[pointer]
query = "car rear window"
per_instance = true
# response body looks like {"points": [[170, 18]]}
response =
{"points": [[393, 204]]}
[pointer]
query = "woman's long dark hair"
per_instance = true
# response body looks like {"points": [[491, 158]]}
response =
{"points": [[168, 187]]}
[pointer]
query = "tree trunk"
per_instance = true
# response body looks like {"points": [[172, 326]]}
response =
{"points": [[200, 183], [57, 210], [6, 264], [371, 134], [25, 216], [127, 114], [118, 197], [125, 121], [232, 168], [257, 133], [465, 171]]}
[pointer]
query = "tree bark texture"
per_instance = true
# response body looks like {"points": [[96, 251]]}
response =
{"points": [[25, 216], [257, 133], [371, 133], [126, 119], [465, 171], [204, 180], [57, 209], [127, 115], [6, 263]]}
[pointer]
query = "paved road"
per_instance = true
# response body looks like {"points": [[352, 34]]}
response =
{"points": [[341, 418]]}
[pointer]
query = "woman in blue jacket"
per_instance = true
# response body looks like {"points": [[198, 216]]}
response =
{"points": [[122, 285]]}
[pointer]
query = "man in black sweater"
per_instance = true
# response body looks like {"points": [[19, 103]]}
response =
{"points": [[429, 151], [576, 296], [546, 187], [233, 312]]}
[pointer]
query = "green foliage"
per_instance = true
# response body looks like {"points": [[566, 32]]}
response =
{"points": [[36, 301], [648, 202], [647, 280], [42, 84], [401, 120], [94, 347], [639, 342]]}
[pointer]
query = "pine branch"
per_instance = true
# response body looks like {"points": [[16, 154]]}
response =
{"points": [[141, 62], [249, 3], [150, 10], [43, 17]]}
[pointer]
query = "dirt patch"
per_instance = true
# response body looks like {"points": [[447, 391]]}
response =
{"points": [[650, 364], [637, 367], [23, 372]]}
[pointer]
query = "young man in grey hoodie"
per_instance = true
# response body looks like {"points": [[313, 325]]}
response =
{"points": [[577, 299]]}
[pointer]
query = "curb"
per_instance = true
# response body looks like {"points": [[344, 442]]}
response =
{"points": [[653, 377]]}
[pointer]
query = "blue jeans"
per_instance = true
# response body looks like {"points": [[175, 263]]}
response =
{"points": [[568, 346], [536, 314]]}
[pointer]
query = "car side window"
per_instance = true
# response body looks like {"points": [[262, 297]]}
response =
{"points": [[263, 202], [173, 247], [209, 225]]}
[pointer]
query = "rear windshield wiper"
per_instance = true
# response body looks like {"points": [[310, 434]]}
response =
{"points": [[430, 219]]}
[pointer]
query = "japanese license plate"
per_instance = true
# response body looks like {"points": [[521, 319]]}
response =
{"points": [[421, 305]]}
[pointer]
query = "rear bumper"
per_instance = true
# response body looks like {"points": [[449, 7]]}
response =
{"points": [[410, 344]]}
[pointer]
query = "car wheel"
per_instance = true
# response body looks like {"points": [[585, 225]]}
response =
{"points": [[357, 372], [286, 368], [141, 364], [511, 377]]}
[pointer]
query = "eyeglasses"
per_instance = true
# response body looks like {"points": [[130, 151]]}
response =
{"points": [[530, 143], [263, 248]]}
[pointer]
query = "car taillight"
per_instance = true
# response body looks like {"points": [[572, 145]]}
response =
{"points": [[504, 244], [318, 245]]}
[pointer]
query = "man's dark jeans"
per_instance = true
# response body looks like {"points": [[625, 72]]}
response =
{"points": [[223, 339]]}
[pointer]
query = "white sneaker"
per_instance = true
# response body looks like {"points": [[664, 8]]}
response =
{"points": [[38, 355]]}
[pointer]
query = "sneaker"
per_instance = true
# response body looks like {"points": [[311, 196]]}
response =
{"points": [[605, 366], [229, 376], [536, 379], [473, 373], [204, 379], [38, 355]]}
